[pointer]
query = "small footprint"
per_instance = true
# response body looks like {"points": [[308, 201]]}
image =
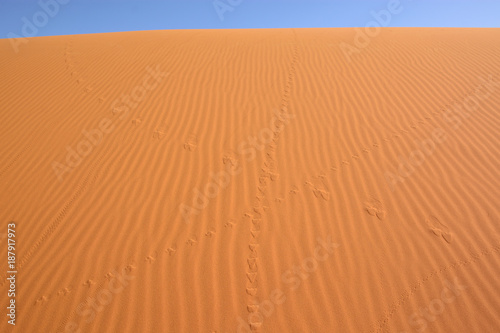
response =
{"points": [[109, 276], [439, 229], [210, 233], [228, 159], [258, 211], [252, 277], [158, 134], [252, 308], [150, 259], [191, 143], [321, 194], [375, 208], [191, 241], [253, 249], [171, 251], [229, 224], [63, 292], [136, 121], [88, 283], [42, 299], [255, 326], [255, 233], [130, 268], [252, 291], [273, 176]]}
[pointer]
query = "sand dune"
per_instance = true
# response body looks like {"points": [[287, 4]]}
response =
{"points": [[253, 181]]}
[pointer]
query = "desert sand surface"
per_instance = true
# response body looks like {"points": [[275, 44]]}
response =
{"points": [[281, 180]]}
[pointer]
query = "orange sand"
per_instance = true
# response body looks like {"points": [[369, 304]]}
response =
{"points": [[389, 156]]}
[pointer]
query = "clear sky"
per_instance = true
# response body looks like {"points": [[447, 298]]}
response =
{"points": [[93, 16]]}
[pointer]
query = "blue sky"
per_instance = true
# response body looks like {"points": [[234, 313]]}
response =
{"points": [[94, 16]]}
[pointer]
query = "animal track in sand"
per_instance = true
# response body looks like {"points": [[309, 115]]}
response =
{"points": [[253, 250], [41, 300], [318, 193], [130, 268], [325, 195], [210, 233], [375, 208], [191, 143], [252, 291], [252, 277], [252, 265], [158, 134], [439, 229], [64, 292], [255, 225], [89, 283], [229, 159], [229, 224], [192, 241], [405, 296], [171, 250]]}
